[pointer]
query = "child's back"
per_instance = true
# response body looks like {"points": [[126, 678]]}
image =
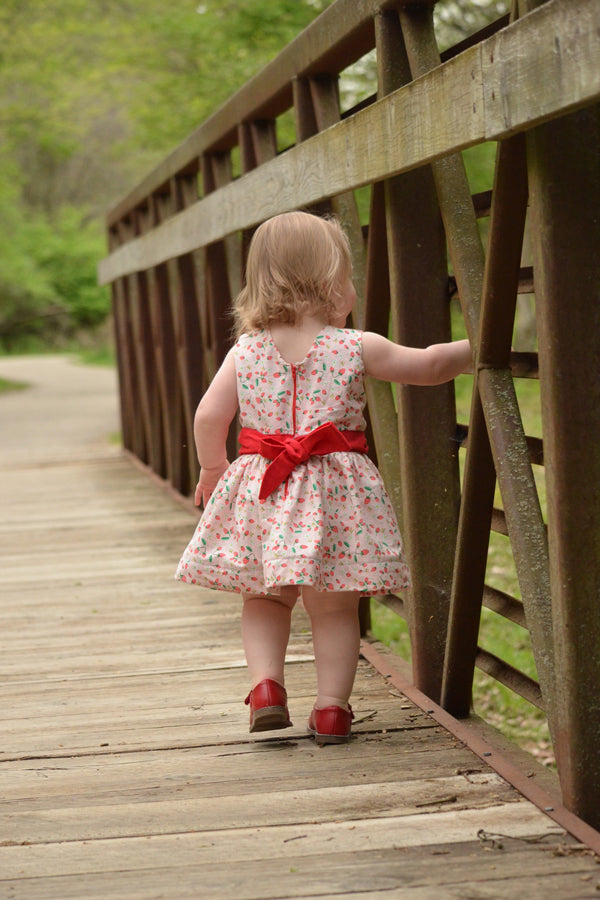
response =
{"points": [[334, 500]]}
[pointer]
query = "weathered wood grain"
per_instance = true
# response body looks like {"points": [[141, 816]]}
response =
{"points": [[126, 767], [163, 812], [269, 93], [392, 854], [486, 93], [527, 79], [244, 766]]}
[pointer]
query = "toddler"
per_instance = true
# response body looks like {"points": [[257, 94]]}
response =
{"points": [[302, 511]]}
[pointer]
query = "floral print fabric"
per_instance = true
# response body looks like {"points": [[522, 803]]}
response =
{"points": [[331, 524]]}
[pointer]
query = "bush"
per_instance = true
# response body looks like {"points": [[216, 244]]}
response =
{"points": [[69, 258], [48, 286]]}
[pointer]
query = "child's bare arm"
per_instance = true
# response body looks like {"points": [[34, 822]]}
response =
{"points": [[436, 364], [213, 417]]}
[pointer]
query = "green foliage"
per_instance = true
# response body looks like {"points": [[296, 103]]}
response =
{"points": [[99, 355], [92, 96], [455, 19], [48, 284], [6, 385], [24, 290], [202, 53], [68, 258], [479, 163]]}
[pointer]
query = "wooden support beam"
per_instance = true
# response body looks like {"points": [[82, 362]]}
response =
{"points": [[170, 409], [428, 456], [144, 310], [454, 193], [337, 38], [474, 527], [484, 453], [565, 198], [126, 368], [190, 365]]}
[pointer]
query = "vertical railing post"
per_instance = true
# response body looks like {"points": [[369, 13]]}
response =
{"points": [[322, 94], [325, 99], [497, 393], [148, 367], [217, 291], [258, 144], [565, 197], [185, 275], [123, 350], [135, 433], [163, 342], [223, 276], [426, 416], [146, 434], [500, 284]]}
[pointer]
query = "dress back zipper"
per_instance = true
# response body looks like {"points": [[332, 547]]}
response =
{"points": [[294, 395]]}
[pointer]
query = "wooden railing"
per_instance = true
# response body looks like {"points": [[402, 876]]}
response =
{"points": [[178, 242]]}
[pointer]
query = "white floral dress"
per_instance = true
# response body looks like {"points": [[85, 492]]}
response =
{"points": [[330, 524]]}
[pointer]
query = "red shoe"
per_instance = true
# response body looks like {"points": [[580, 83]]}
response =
{"points": [[268, 706], [331, 725]]}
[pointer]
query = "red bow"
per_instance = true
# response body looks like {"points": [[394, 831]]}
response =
{"points": [[287, 450]]}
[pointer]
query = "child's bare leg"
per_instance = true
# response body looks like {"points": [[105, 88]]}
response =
{"points": [[336, 642], [265, 633]]}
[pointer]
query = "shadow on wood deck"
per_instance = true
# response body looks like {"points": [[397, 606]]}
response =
{"points": [[126, 767]]}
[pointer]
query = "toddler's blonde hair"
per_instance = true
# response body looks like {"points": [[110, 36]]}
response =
{"points": [[298, 264]]}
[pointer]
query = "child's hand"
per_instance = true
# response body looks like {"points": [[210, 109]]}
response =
{"points": [[207, 482]]}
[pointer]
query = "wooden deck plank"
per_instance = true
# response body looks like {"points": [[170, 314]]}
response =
{"points": [[209, 770], [321, 877], [355, 862], [147, 693], [126, 767], [345, 878], [156, 812], [516, 821], [200, 723]]}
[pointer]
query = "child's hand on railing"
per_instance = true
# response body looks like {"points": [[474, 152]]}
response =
{"points": [[207, 482]]}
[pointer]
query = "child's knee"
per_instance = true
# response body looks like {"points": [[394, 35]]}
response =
{"points": [[319, 603], [287, 598]]}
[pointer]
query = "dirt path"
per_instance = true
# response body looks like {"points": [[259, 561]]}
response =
{"points": [[69, 410]]}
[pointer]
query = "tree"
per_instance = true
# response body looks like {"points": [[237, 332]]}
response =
{"points": [[92, 95], [457, 19]]}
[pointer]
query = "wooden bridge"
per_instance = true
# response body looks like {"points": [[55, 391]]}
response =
{"points": [[391, 167], [126, 767]]}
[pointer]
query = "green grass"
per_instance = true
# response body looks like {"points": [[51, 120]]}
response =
{"points": [[6, 385], [103, 355], [521, 722]]}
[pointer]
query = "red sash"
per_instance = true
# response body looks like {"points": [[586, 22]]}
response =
{"points": [[287, 450]]}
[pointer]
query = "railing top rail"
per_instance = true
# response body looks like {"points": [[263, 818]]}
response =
{"points": [[487, 93], [338, 37]]}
